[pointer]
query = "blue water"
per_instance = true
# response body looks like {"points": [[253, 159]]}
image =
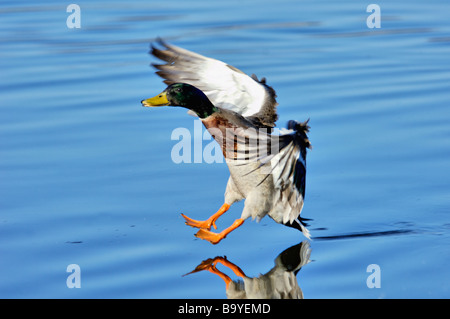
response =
{"points": [[86, 175]]}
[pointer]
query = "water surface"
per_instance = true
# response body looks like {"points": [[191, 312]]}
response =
{"points": [[87, 177]]}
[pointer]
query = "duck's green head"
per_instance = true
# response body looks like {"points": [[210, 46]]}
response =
{"points": [[184, 95]]}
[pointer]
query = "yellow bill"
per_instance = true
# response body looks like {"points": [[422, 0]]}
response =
{"points": [[159, 100]]}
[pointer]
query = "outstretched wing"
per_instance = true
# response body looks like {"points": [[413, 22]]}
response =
{"points": [[226, 86], [289, 174], [285, 161]]}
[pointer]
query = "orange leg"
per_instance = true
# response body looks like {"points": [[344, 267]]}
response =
{"points": [[210, 265], [224, 277], [211, 221], [237, 271], [215, 238]]}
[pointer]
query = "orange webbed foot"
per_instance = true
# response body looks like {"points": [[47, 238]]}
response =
{"points": [[210, 236], [211, 221], [204, 265], [215, 238], [205, 224]]}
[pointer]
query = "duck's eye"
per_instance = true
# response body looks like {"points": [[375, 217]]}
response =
{"points": [[178, 90]]}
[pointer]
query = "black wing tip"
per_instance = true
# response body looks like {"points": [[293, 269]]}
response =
{"points": [[166, 53], [154, 41], [158, 41], [298, 126], [301, 130]]}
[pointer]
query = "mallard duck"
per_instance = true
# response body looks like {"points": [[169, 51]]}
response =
{"points": [[266, 169]]}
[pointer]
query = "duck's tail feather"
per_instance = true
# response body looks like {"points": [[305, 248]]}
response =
{"points": [[299, 224]]}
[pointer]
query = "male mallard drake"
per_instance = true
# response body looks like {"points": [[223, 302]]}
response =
{"points": [[266, 169]]}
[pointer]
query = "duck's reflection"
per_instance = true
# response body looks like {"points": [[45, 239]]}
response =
{"points": [[279, 283]]}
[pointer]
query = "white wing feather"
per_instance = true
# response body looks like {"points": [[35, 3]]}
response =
{"points": [[226, 86]]}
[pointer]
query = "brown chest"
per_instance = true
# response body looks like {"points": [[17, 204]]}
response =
{"points": [[224, 133]]}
